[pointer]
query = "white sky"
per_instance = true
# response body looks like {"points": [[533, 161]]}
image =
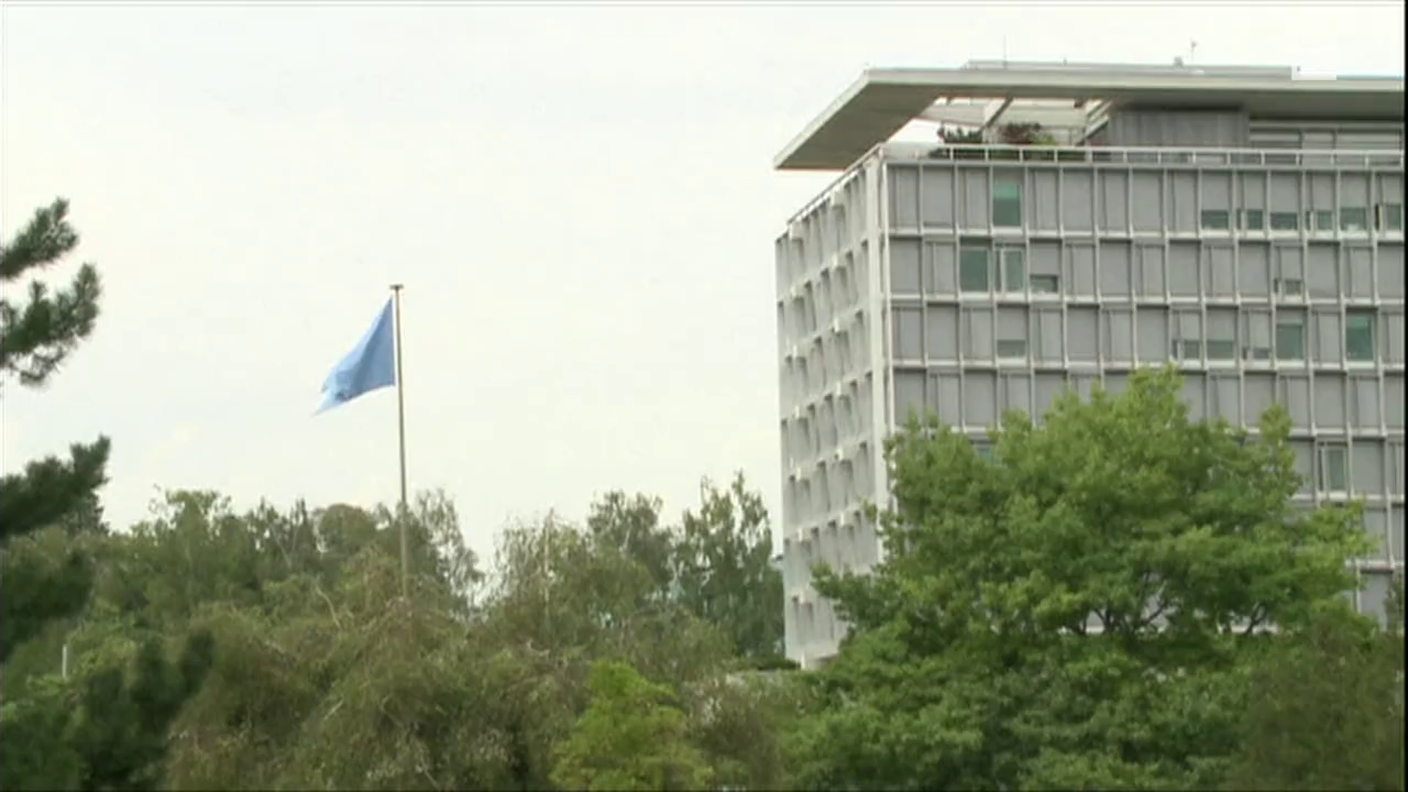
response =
{"points": [[579, 200]]}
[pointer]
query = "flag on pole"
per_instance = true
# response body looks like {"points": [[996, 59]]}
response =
{"points": [[370, 365]]}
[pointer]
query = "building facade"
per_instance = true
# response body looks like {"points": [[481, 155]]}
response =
{"points": [[1241, 223]]}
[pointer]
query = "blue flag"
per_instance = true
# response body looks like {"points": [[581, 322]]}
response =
{"points": [[369, 366]]}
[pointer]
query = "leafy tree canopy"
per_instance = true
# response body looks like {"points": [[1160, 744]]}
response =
{"points": [[1075, 611]]}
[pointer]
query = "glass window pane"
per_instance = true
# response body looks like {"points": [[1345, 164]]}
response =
{"points": [[1354, 218], [1359, 337], [1393, 216], [1046, 284], [1216, 219], [1255, 219], [1221, 350], [1011, 348], [1324, 220], [1290, 341], [1006, 204], [1334, 477], [1006, 191], [1285, 221], [973, 270], [1014, 270]]}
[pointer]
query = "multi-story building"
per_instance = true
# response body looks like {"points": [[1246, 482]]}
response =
{"points": [[1245, 223]]}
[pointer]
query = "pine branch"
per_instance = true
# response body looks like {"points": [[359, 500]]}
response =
{"points": [[47, 238], [51, 488], [35, 596], [36, 338]]}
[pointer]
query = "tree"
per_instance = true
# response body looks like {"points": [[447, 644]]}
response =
{"points": [[110, 732], [1079, 610], [631, 526], [740, 722], [716, 564], [724, 571], [326, 678], [631, 737], [1326, 707], [35, 340]]}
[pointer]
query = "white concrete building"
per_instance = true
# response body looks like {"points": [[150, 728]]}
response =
{"points": [[1242, 222]]}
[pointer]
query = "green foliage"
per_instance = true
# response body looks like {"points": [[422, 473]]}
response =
{"points": [[35, 340], [1081, 610], [120, 729], [631, 526], [39, 336], [108, 729], [740, 722], [715, 565], [724, 569], [326, 678], [1026, 134], [1078, 610], [37, 754], [963, 136], [1326, 708], [630, 737]]}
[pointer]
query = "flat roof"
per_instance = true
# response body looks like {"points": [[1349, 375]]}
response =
{"points": [[883, 101]]}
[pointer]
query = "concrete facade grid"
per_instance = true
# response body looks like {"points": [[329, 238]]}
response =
{"points": [[964, 288]]}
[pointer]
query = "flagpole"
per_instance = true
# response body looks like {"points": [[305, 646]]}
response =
{"points": [[401, 436]]}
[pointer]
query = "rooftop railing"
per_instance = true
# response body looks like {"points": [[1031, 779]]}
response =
{"points": [[1146, 155], [1129, 155]]}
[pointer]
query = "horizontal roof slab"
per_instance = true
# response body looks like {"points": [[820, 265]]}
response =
{"points": [[883, 101]]}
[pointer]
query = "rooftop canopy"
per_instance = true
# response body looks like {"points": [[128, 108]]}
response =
{"points": [[1069, 96]]}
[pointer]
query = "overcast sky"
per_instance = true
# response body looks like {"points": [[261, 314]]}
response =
{"points": [[579, 200]]}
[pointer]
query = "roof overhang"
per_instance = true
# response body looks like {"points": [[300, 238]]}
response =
{"points": [[883, 101]]}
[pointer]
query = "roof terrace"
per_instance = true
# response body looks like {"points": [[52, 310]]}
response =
{"points": [[1070, 101]]}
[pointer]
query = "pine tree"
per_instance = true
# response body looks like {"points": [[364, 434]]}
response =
{"points": [[110, 732], [35, 340]]}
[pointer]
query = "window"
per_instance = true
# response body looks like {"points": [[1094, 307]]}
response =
{"points": [[1285, 221], [1215, 220], [1012, 332], [1289, 287], [1290, 338], [1187, 350], [1359, 337], [1187, 342], [1391, 217], [1253, 220], [1221, 349], [1334, 468], [1256, 334], [1046, 284], [983, 450], [1007, 204], [1354, 218], [1320, 220], [1221, 341], [1014, 269], [973, 269], [1011, 348]]}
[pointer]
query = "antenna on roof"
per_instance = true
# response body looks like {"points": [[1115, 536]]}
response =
{"points": [[1192, 51], [1004, 52]]}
